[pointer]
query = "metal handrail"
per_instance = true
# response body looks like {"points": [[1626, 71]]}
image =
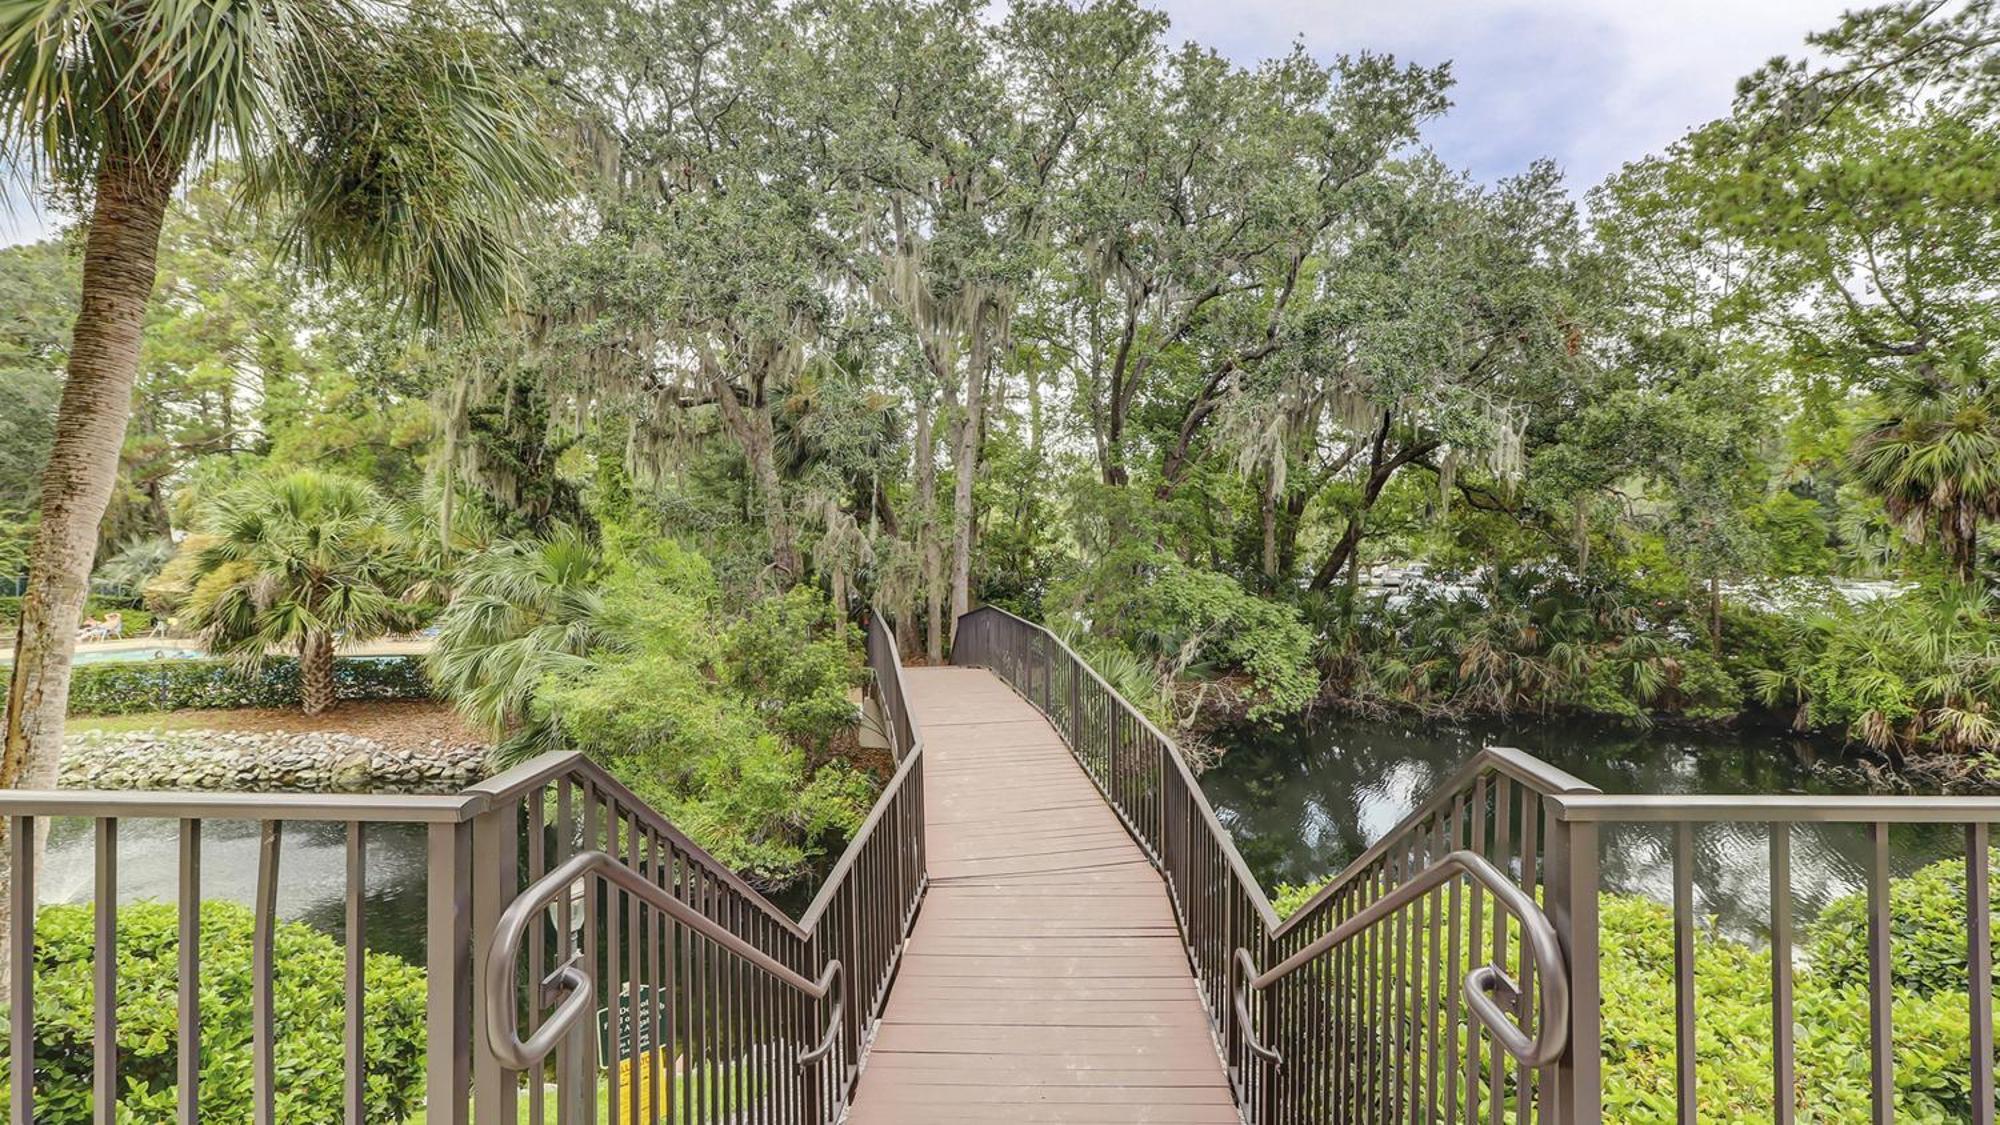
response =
{"points": [[1228, 922], [1537, 775], [1260, 901], [503, 1016], [857, 957], [1482, 983]]}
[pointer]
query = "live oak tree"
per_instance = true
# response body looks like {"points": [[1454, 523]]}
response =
{"points": [[394, 144], [1867, 187]]}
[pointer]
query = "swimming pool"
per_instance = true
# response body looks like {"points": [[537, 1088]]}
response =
{"points": [[166, 651]]}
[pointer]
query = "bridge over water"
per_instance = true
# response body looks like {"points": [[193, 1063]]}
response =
{"points": [[1040, 921]]}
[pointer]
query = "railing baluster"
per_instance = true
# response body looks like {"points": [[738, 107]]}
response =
{"points": [[1474, 937], [1524, 1011], [448, 953], [21, 966], [662, 1046], [1979, 958], [1783, 1080], [263, 991], [537, 809], [1881, 1059], [1684, 1033], [1503, 809], [187, 1062], [1454, 823], [1441, 846], [1572, 909], [354, 1037], [643, 1045], [104, 1063]]}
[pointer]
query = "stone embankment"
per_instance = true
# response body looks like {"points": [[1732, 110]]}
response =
{"points": [[314, 762]]}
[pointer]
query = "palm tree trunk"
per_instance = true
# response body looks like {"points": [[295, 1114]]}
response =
{"points": [[133, 190], [317, 691]]}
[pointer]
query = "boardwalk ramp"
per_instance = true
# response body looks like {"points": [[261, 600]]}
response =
{"points": [[1045, 979]]}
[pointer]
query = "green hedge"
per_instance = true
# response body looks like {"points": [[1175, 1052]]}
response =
{"points": [[311, 1010], [132, 686], [138, 621]]}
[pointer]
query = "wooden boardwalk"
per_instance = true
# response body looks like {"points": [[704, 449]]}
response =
{"points": [[1045, 980]]}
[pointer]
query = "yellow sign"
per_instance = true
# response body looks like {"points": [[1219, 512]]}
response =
{"points": [[635, 1086]]}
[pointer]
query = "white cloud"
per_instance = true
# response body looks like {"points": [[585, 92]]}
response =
{"points": [[22, 218], [1590, 83]]}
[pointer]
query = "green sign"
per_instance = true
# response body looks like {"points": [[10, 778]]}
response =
{"points": [[650, 1030]]}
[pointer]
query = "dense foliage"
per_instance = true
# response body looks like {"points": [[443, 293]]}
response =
{"points": [[730, 725], [1214, 368], [310, 1012]]}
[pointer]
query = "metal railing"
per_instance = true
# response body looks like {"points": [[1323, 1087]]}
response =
{"points": [[1336, 1028], [1451, 972], [559, 909]]}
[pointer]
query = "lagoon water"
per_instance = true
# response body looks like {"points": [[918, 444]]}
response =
{"points": [[1302, 802]]}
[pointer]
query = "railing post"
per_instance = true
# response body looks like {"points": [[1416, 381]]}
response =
{"points": [[449, 955], [495, 879], [1575, 1080]]}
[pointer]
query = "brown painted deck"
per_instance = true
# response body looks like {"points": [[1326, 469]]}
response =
{"points": [[1045, 980]]}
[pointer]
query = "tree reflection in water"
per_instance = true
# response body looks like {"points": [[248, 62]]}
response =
{"points": [[1303, 802]]}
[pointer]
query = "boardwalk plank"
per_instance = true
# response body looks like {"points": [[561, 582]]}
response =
{"points": [[1045, 979]]}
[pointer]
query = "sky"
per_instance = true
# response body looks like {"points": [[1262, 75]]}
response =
{"points": [[1588, 83], [1591, 84]]}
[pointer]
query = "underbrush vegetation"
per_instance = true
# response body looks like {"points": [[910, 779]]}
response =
{"points": [[310, 1008], [733, 726]]}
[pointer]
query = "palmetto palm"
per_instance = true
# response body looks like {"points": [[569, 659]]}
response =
{"points": [[390, 140], [1935, 460], [297, 560], [523, 608]]}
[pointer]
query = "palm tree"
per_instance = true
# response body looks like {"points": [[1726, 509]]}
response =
{"points": [[395, 144], [523, 608], [295, 561], [1935, 461]]}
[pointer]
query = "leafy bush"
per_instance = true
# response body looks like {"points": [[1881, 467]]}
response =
{"points": [[784, 660], [132, 686], [310, 1017], [710, 721], [1187, 620], [1927, 933], [137, 621], [1922, 670], [1529, 639]]}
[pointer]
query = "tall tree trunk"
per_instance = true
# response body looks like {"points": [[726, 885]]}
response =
{"points": [[751, 426], [1715, 616], [927, 548], [966, 464], [133, 190], [1270, 514], [317, 691]]}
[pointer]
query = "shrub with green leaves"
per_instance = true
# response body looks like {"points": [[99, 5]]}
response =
{"points": [[716, 723], [1918, 671], [1194, 622], [128, 687], [310, 1010]]}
